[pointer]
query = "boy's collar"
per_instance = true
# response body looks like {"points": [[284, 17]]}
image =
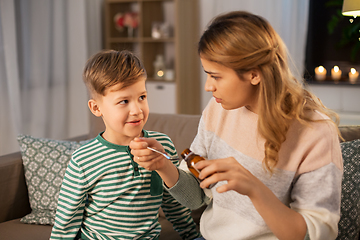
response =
{"points": [[144, 134]]}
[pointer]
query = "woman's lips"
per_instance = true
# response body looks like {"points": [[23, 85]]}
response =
{"points": [[218, 100]]}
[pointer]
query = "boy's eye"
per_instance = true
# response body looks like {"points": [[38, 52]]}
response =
{"points": [[123, 102], [142, 97]]}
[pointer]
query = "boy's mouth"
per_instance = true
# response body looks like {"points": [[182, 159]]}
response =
{"points": [[135, 122]]}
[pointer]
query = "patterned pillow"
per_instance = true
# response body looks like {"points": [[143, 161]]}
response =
{"points": [[45, 162], [349, 225]]}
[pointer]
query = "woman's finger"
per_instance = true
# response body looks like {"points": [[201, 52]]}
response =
{"points": [[209, 167]]}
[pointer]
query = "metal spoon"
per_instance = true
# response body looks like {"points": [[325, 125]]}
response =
{"points": [[164, 154]]}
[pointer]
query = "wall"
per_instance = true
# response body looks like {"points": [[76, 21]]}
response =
{"points": [[288, 18]]}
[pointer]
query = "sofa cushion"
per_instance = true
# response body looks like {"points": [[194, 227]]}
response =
{"points": [[14, 199], [45, 162], [349, 225], [15, 230], [181, 128], [350, 133]]}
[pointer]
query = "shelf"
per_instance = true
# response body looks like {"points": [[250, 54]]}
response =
{"points": [[141, 40], [120, 1], [154, 80], [329, 81], [179, 49]]}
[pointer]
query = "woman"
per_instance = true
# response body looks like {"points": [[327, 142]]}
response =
{"points": [[272, 149]]}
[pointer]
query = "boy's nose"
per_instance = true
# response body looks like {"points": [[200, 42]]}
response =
{"points": [[135, 109]]}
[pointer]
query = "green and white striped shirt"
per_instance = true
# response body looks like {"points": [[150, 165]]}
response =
{"points": [[106, 195]]}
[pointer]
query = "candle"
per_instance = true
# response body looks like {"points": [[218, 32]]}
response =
{"points": [[336, 73], [353, 75], [320, 73]]}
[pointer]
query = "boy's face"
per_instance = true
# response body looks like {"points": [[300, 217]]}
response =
{"points": [[124, 112]]}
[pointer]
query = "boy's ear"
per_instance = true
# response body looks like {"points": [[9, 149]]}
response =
{"points": [[94, 107], [255, 77]]}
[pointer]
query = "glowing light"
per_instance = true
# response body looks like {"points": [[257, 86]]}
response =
{"points": [[353, 75], [336, 73], [320, 73], [160, 73]]}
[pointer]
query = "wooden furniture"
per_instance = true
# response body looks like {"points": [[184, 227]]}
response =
{"points": [[179, 49]]}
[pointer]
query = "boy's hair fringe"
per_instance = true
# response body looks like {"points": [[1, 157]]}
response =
{"points": [[108, 68]]}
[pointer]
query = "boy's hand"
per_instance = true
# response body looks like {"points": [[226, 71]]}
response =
{"points": [[146, 158], [154, 161]]}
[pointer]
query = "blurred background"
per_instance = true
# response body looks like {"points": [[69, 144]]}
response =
{"points": [[44, 45]]}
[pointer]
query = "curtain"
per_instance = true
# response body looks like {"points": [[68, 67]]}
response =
{"points": [[44, 45], [288, 18]]}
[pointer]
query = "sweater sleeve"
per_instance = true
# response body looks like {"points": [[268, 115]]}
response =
{"points": [[316, 192], [187, 189], [188, 192], [71, 204], [179, 216], [176, 213]]}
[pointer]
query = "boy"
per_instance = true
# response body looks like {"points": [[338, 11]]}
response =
{"points": [[105, 194]]}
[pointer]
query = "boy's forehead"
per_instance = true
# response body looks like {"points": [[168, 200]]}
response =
{"points": [[116, 87], [124, 86]]}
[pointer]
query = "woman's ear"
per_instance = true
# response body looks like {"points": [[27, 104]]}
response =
{"points": [[94, 107], [255, 77]]}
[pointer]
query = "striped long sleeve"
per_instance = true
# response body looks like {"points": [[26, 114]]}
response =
{"points": [[106, 195], [71, 204]]}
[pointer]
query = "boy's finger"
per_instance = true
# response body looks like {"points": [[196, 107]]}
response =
{"points": [[135, 144]]}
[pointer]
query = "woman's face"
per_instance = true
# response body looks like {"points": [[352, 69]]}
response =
{"points": [[228, 89]]}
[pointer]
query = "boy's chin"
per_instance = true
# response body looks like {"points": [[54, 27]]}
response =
{"points": [[137, 133]]}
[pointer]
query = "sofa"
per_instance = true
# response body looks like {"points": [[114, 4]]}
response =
{"points": [[14, 197]]}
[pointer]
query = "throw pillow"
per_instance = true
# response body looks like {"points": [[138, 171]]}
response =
{"points": [[45, 162], [349, 225]]}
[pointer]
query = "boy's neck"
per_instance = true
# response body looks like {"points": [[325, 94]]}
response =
{"points": [[118, 141]]}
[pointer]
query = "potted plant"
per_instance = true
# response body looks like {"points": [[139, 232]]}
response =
{"points": [[350, 32]]}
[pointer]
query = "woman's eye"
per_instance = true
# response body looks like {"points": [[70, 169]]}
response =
{"points": [[215, 78]]}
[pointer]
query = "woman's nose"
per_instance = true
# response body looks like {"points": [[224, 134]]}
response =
{"points": [[209, 87]]}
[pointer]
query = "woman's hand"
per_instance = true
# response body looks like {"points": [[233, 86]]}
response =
{"points": [[238, 178], [284, 222]]}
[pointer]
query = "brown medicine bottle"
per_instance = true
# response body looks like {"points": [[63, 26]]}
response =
{"points": [[191, 159]]}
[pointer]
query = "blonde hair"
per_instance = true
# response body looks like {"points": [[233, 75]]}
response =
{"points": [[108, 68], [242, 41]]}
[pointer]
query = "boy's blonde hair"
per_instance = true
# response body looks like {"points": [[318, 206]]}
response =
{"points": [[109, 68], [243, 41]]}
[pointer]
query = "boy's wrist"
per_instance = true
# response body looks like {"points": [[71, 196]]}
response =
{"points": [[169, 173]]}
